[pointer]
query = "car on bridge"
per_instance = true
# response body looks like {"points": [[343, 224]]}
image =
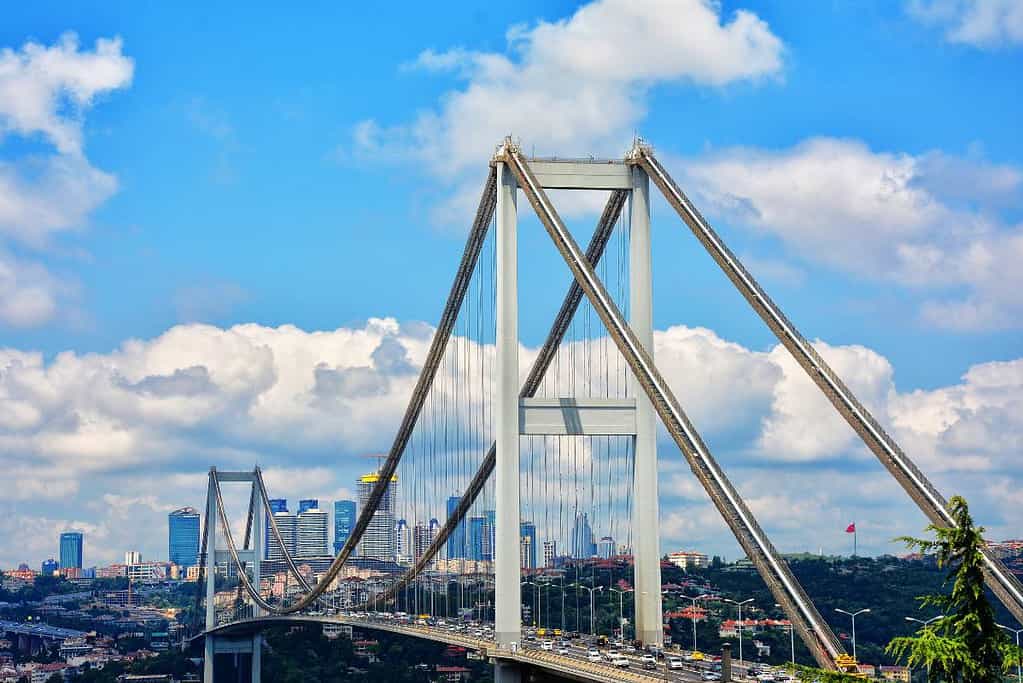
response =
{"points": [[593, 656], [675, 663], [620, 661], [649, 661]]}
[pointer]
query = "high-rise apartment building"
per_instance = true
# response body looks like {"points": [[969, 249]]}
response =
{"points": [[311, 540], [344, 521], [71, 549], [379, 540], [420, 539], [182, 537], [307, 504], [276, 505], [527, 545], [583, 546], [457, 547], [550, 553]]}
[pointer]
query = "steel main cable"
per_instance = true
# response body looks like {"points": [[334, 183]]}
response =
{"points": [[1006, 586], [813, 629], [488, 202], [548, 351]]}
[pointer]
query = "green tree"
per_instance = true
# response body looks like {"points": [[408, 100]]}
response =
{"points": [[965, 645]]}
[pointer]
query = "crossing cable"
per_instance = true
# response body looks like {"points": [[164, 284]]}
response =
{"points": [[200, 588], [547, 353], [812, 628], [1006, 586]]}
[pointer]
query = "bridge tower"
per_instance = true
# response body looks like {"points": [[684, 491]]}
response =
{"points": [[516, 417], [252, 556]]}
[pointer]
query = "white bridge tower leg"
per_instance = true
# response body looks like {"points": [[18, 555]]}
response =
{"points": [[645, 523], [258, 524], [211, 570], [507, 601]]}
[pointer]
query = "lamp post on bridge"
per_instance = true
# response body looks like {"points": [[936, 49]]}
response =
{"points": [[621, 608], [591, 591], [739, 605], [853, 615]]}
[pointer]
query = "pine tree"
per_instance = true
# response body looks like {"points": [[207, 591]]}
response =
{"points": [[965, 645]]}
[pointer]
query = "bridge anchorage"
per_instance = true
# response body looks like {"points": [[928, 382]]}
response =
{"points": [[585, 414]]}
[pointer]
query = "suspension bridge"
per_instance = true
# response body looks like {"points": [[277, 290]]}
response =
{"points": [[529, 473]]}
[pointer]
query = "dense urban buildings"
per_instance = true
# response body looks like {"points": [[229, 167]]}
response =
{"points": [[49, 567], [132, 557], [183, 537], [379, 539], [312, 525], [344, 521], [71, 549]]}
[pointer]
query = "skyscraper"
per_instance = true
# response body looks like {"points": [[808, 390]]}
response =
{"points": [[490, 537], [457, 547], [71, 547], [477, 532], [527, 545], [183, 537], [379, 540], [311, 540], [344, 520], [420, 539], [403, 542], [276, 505], [49, 567], [307, 504], [288, 526], [583, 546]]}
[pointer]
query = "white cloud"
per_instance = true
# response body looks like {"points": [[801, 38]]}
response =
{"points": [[574, 86], [130, 433], [46, 89], [928, 222], [45, 92], [981, 23]]}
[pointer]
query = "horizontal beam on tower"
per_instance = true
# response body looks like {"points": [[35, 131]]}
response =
{"points": [[247, 477], [224, 556], [577, 416], [582, 175]]}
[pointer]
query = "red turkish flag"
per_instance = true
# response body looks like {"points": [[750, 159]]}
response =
{"points": [[851, 529]]}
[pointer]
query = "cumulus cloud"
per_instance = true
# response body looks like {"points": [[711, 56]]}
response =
{"points": [[981, 23], [928, 222], [45, 92], [131, 432], [573, 86]]}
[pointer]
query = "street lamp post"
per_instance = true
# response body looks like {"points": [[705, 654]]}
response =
{"points": [[536, 600], [591, 591], [925, 623], [739, 605], [1019, 666], [694, 619], [853, 616], [621, 609], [792, 638]]}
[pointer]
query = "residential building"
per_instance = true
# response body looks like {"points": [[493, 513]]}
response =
{"points": [[311, 540], [344, 522], [895, 673], [71, 548], [182, 537], [379, 540], [688, 559], [420, 539], [550, 553], [403, 542]]}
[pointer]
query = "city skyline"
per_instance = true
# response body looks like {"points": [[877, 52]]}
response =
{"points": [[202, 358]]}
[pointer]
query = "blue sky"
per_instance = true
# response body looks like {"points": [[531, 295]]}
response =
{"points": [[237, 165]]}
